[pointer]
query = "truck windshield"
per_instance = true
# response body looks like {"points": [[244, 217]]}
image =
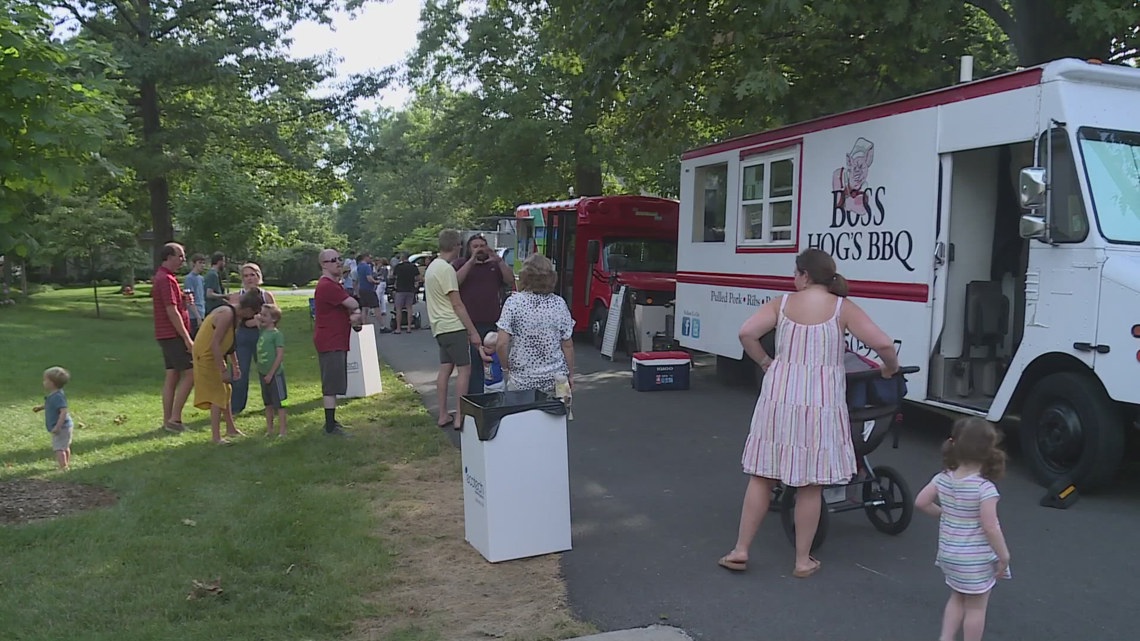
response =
{"points": [[640, 255], [1112, 163]]}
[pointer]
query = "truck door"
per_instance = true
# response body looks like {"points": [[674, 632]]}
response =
{"points": [[562, 230], [1061, 289]]}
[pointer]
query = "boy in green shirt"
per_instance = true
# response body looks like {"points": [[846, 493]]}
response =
{"points": [[270, 356]]}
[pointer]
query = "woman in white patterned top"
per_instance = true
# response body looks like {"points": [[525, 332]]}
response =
{"points": [[536, 330]]}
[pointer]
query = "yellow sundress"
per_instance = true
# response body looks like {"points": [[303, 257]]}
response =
{"points": [[209, 388]]}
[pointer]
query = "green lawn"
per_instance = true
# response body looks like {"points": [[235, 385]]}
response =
{"points": [[285, 523]]}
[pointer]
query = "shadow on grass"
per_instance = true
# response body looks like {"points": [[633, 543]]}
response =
{"points": [[285, 523], [80, 446]]}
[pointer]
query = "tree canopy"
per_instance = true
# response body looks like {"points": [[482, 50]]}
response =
{"points": [[188, 119]]}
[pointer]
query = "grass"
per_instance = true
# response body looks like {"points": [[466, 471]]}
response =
{"points": [[287, 524]]}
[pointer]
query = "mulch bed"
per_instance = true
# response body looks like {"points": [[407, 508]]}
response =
{"points": [[27, 500]]}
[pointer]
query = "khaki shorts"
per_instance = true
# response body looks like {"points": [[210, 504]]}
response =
{"points": [[454, 348], [334, 373], [62, 440]]}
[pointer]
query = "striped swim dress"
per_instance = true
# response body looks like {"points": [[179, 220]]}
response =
{"points": [[964, 553], [801, 432]]}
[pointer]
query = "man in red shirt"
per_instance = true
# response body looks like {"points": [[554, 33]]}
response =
{"points": [[336, 314], [482, 275], [172, 330]]}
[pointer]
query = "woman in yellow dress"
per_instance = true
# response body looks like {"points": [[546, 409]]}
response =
{"points": [[213, 347]]}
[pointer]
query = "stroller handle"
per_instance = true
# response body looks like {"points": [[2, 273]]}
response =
{"points": [[872, 373]]}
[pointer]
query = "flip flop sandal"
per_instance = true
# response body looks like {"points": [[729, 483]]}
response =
{"points": [[224, 441], [735, 566], [803, 574]]}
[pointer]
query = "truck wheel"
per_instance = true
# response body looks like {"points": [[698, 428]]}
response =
{"points": [[598, 326], [1070, 428]]}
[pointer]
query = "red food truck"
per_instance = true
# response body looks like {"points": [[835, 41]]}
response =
{"points": [[599, 243]]}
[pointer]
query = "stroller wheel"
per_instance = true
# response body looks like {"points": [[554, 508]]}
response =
{"points": [[887, 501], [788, 518]]}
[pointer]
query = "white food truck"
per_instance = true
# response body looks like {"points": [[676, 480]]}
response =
{"points": [[992, 228]]}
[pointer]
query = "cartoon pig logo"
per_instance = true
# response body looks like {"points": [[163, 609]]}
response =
{"points": [[850, 181]]}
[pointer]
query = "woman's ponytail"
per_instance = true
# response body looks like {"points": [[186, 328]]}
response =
{"points": [[838, 285], [819, 266]]}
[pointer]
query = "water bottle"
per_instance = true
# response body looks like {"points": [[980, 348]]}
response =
{"points": [[562, 392], [561, 386]]}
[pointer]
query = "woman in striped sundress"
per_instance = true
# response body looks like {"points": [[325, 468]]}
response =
{"points": [[800, 431]]}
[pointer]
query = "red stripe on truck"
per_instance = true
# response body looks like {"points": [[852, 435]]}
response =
{"points": [[908, 292]]}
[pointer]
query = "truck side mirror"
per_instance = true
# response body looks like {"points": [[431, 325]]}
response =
{"points": [[1032, 226], [1032, 183], [593, 248]]}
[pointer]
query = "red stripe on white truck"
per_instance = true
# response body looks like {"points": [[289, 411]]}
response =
{"points": [[908, 292]]}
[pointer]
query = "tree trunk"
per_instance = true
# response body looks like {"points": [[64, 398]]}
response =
{"points": [[587, 165], [6, 279], [1042, 32], [587, 176], [157, 185]]}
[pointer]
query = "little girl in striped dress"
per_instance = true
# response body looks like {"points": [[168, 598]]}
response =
{"points": [[971, 548]]}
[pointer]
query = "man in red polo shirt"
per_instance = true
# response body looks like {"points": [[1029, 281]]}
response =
{"points": [[482, 275], [172, 330], [336, 313]]}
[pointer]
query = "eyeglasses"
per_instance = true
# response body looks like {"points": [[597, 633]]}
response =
{"points": [[331, 260]]}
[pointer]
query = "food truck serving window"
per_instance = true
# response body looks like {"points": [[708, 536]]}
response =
{"points": [[769, 192], [710, 203]]}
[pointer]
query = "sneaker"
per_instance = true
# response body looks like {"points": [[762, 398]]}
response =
{"points": [[174, 428], [337, 430]]}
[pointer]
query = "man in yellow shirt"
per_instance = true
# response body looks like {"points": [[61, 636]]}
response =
{"points": [[450, 325]]}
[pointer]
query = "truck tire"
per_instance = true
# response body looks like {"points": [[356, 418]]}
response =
{"points": [[1070, 428], [598, 326]]}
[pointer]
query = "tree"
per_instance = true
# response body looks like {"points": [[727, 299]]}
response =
{"points": [[223, 210], [174, 49], [517, 125], [398, 180], [92, 232], [421, 239], [1043, 31], [299, 222], [57, 107], [673, 76]]}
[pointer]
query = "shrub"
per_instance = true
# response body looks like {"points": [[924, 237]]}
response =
{"points": [[288, 266]]}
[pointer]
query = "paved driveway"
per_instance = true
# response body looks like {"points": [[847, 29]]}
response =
{"points": [[656, 490]]}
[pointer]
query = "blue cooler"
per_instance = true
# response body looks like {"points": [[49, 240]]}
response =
{"points": [[660, 371]]}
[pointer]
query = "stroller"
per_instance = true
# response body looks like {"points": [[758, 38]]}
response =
{"points": [[881, 492]]}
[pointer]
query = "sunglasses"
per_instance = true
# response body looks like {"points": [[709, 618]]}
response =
{"points": [[331, 260]]}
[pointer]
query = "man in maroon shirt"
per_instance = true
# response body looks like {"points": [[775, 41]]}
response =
{"points": [[172, 330], [336, 314], [482, 274]]}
